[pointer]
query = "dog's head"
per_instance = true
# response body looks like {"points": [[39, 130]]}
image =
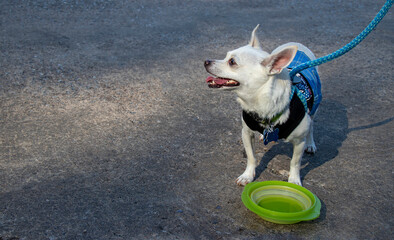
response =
{"points": [[248, 67]]}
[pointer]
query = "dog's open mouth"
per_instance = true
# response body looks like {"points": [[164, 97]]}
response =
{"points": [[221, 82]]}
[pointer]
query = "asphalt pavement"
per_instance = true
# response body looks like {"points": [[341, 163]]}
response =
{"points": [[109, 131]]}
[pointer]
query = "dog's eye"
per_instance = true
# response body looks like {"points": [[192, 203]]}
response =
{"points": [[232, 62]]}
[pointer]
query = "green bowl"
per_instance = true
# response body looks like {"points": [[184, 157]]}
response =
{"points": [[281, 202]]}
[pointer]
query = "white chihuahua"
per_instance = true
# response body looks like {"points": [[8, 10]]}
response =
{"points": [[273, 104]]}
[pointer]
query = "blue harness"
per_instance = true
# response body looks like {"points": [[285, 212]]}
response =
{"points": [[305, 98], [306, 84]]}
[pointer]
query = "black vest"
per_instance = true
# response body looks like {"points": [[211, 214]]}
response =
{"points": [[297, 113]]}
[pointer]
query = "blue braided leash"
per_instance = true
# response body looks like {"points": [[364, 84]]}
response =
{"points": [[348, 46]]}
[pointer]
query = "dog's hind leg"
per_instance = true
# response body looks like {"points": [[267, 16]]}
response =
{"points": [[310, 146], [295, 163], [248, 142]]}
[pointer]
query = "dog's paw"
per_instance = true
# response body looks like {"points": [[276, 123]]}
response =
{"points": [[244, 179], [295, 180], [310, 148]]}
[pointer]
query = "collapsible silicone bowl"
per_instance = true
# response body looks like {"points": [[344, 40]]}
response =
{"points": [[281, 202]]}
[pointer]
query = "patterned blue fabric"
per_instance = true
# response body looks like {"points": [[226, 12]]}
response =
{"points": [[311, 88], [304, 89]]}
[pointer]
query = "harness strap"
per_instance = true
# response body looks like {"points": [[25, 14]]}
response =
{"points": [[300, 96]]}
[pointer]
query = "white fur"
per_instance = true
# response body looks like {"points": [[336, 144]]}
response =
{"points": [[265, 89]]}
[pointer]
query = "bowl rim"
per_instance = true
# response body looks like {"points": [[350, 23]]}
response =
{"points": [[308, 214]]}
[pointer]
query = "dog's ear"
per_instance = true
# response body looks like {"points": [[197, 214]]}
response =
{"points": [[254, 41], [278, 61]]}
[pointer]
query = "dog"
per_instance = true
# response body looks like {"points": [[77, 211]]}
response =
{"points": [[273, 104]]}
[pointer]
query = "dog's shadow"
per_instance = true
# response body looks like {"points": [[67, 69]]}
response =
{"points": [[330, 130]]}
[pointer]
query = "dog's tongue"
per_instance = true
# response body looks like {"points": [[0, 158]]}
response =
{"points": [[219, 81]]}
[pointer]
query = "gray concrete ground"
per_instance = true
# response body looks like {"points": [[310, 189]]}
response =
{"points": [[108, 130]]}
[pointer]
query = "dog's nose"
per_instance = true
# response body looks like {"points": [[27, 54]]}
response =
{"points": [[207, 62]]}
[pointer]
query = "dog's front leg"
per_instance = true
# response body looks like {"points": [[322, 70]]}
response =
{"points": [[248, 142], [295, 163]]}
